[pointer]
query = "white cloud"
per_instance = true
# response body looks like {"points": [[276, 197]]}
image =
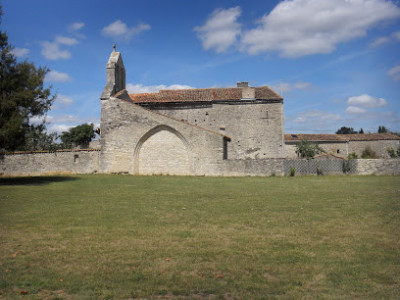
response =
{"points": [[76, 26], [355, 110], [297, 28], [62, 99], [120, 30], [286, 87], [315, 117], [55, 76], [366, 101], [395, 73], [36, 120], [67, 119], [51, 50], [220, 30], [66, 40], [380, 41], [20, 52], [140, 88], [58, 128], [396, 35]]}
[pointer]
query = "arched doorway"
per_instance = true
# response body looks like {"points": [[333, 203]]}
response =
{"points": [[162, 150]]}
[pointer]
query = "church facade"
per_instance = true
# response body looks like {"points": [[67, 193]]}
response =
{"points": [[211, 131]]}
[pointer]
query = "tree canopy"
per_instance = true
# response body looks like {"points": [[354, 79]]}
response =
{"points": [[346, 130], [382, 129], [306, 149], [79, 135], [22, 98]]}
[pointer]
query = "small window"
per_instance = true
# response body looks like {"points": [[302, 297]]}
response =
{"points": [[76, 158], [338, 151], [225, 149]]}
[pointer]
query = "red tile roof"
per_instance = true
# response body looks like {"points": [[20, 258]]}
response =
{"points": [[341, 137], [201, 95]]}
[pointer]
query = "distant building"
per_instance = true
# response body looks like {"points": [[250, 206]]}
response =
{"points": [[344, 144], [192, 131]]}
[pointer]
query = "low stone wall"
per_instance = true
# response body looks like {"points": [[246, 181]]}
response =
{"points": [[378, 166], [251, 167], [42, 163], [87, 162]]}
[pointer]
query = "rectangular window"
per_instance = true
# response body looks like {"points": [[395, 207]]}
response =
{"points": [[225, 148]]}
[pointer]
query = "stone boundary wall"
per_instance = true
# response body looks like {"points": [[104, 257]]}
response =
{"points": [[378, 166], [251, 167], [42, 163], [86, 161]]}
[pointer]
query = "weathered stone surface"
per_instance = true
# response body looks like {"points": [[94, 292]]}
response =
{"points": [[65, 162], [115, 76], [378, 166], [342, 149]]}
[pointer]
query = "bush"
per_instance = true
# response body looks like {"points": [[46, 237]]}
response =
{"points": [[368, 153], [320, 172], [346, 166], [391, 152], [352, 155], [306, 149], [292, 171]]}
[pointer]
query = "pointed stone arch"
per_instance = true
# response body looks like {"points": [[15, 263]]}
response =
{"points": [[163, 150]]}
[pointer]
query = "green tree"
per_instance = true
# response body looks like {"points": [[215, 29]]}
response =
{"points": [[382, 129], [79, 135], [22, 97], [361, 131], [346, 130], [306, 149], [38, 139], [368, 153]]}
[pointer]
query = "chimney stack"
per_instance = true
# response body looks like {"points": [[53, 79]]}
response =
{"points": [[248, 93], [242, 84]]}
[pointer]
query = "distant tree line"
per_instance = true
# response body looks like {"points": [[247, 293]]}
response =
{"points": [[350, 130]]}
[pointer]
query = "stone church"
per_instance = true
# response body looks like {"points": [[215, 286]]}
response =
{"points": [[210, 131]]}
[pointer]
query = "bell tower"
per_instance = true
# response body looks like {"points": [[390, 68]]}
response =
{"points": [[115, 75]]}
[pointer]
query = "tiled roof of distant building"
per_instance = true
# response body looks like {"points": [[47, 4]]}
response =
{"points": [[341, 137], [203, 95]]}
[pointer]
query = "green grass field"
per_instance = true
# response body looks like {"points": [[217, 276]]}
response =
{"points": [[113, 237]]}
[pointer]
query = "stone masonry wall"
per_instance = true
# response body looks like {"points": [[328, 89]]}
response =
{"points": [[380, 147], [86, 162], [343, 149], [126, 130], [378, 166], [256, 128], [60, 162]]}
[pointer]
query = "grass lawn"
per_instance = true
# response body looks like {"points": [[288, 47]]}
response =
{"points": [[109, 236]]}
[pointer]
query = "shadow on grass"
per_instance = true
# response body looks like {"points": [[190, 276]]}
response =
{"points": [[35, 180]]}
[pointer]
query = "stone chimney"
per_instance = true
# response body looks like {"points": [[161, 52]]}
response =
{"points": [[248, 93], [115, 75]]}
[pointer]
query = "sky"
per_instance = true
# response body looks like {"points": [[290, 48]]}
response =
{"points": [[335, 62]]}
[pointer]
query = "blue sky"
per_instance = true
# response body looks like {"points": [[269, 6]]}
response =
{"points": [[336, 62]]}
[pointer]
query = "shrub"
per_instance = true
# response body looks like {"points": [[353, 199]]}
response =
{"points": [[346, 166], [391, 152], [292, 171], [307, 149], [352, 155], [320, 172], [368, 153]]}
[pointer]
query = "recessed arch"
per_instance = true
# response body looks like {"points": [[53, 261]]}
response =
{"points": [[163, 150]]}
